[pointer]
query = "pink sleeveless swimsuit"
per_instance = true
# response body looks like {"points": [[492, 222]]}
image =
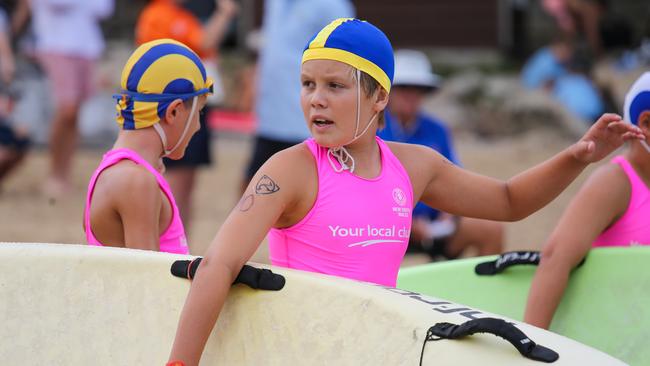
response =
{"points": [[173, 239], [633, 227], [358, 228]]}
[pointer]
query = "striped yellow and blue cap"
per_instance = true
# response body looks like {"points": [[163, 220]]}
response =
{"points": [[356, 43], [157, 73]]}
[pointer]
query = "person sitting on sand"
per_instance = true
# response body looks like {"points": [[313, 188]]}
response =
{"points": [[611, 209], [340, 203], [129, 203]]}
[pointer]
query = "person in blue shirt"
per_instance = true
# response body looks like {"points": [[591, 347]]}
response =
{"points": [[546, 65], [563, 71], [286, 27], [436, 233]]}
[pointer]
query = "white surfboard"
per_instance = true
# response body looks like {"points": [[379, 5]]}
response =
{"points": [[82, 305]]}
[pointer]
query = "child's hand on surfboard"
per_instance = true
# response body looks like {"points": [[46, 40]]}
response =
{"points": [[605, 136]]}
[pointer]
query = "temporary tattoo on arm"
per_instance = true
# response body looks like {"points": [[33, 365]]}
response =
{"points": [[246, 203], [266, 185]]}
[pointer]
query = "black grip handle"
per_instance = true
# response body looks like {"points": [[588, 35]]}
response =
{"points": [[498, 327], [185, 268], [256, 278], [506, 260]]}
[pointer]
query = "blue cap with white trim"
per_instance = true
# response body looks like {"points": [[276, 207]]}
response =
{"points": [[637, 99]]}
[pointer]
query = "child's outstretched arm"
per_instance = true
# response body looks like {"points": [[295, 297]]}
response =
{"points": [[598, 204], [460, 192], [271, 193]]}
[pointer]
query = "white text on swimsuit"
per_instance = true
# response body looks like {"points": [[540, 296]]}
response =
{"points": [[384, 232]]}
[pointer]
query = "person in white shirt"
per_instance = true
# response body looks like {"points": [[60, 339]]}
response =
{"points": [[68, 42]]}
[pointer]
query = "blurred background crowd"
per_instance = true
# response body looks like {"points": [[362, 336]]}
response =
{"points": [[495, 85]]}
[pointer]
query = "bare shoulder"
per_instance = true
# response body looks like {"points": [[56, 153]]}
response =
{"points": [[610, 186], [128, 183], [129, 174], [422, 163], [291, 168], [607, 190], [609, 178], [289, 180], [298, 156], [412, 153], [600, 202], [292, 162]]}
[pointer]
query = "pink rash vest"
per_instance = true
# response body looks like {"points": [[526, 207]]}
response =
{"points": [[358, 228], [173, 239], [633, 227]]}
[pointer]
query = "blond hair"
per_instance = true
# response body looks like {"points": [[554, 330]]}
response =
{"points": [[370, 86]]}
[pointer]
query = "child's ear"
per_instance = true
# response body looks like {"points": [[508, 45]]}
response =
{"points": [[644, 120], [173, 111], [382, 99]]}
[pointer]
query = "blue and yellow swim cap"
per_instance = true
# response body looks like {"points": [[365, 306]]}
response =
{"points": [[157, 73], [356, 43]]}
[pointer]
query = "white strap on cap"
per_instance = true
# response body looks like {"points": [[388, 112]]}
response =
{"points": [[341, 153], [163, 137], [645, 145]]}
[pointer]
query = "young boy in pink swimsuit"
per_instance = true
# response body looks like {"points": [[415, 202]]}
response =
{"points": [[341, 202], [611, 209], [129, 203]]}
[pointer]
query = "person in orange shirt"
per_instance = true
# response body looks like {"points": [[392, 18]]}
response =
{"points": [[169, 19]]}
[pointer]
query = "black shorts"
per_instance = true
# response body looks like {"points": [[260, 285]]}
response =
{"points": [[263, 150], [9, 139], [198, 149]]}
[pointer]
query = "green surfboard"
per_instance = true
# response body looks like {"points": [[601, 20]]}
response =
{"points": [[605, 304]]}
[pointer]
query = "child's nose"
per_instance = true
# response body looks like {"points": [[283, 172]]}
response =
{"points": [[318, 98]]}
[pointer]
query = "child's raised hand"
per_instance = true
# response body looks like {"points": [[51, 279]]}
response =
{"points": [[605, 136]]}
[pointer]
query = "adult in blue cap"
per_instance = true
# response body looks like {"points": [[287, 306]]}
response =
{"points": [[340, 203]]}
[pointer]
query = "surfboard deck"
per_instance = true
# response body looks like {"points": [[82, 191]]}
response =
{"points": [[82, 305], [605, 304]]}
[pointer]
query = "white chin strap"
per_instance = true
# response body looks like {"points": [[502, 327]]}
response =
{"points": [[645, 145], [344, 158], [163, 137]]}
